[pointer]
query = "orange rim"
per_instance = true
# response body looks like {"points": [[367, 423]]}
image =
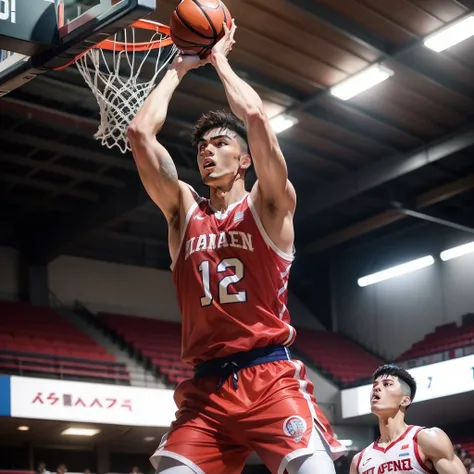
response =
{"points": [[111, 45]]}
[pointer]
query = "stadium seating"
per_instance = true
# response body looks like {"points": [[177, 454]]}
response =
{"points": [[336, 355], [157, 341], [446, 337], [37, 341]]}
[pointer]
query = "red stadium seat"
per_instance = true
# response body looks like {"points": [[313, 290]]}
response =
{"points": [[37, 340], [336, 354], [446, 337], [158, 341]]}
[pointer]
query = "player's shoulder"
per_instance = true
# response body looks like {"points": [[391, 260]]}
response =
{"points": [[189, 195], [433, 440], [356, 462]]}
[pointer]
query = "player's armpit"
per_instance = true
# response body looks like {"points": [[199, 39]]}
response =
{"points": [[157, 173], [438, 448]]}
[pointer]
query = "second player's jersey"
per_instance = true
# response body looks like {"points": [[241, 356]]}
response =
{"points": [[231, 283], [402, 455]]}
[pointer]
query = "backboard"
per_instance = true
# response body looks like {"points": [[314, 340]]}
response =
{"points": [[37, 36]]}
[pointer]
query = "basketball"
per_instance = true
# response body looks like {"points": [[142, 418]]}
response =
{"points": [[197, 25]]}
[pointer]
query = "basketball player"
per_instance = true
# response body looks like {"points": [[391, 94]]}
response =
{"points": [[402, 448], [231, 258]]}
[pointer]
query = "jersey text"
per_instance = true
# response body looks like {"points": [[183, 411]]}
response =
{"points": [[206, 242]]}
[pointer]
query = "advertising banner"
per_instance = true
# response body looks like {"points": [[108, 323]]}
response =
{"points": [[48, 399]]}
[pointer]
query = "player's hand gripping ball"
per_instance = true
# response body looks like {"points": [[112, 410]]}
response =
{"points": [[197, 25]]}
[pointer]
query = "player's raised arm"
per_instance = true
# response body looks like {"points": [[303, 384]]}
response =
{"points": [[155, 165], [437, 447], [246, 104]]}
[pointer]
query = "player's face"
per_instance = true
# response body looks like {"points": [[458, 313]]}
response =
{"points": [[219, 156], [386, 395]]}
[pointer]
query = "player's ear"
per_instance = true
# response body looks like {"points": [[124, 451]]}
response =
{"points": [[406, 401], [245, 162]]}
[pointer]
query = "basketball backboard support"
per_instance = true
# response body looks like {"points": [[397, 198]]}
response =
{"points": [[37, 36]]}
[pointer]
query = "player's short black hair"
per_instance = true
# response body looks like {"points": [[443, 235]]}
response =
{"points": [[400, 372], [219, 119]]}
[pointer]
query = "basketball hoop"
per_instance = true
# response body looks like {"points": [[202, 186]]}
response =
{"points": [[112, 70]]}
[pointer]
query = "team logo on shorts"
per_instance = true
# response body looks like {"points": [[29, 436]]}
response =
{"points": [[294, 426]]}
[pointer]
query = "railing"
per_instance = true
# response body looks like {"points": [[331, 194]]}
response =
{"points": [[73, 369], [62, 368], [54, 301], [438, 357]]}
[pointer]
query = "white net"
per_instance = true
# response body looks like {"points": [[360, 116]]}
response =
{"points": [[117, 79]]}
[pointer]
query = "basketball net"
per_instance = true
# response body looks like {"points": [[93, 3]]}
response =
{"points": [[112, 70]]}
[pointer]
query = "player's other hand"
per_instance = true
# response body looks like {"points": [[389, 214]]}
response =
{"points": [[224, 45], [186, 62]]}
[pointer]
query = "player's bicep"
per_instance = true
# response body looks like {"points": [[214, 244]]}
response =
{"points": [[449, 466], [437, 447], [158, 174], [269, 162]]}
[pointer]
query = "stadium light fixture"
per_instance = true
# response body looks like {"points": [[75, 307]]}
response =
{"points": [[456, 252], [396, 271], [80, 432], [282, 122], [453, 34], [361, 82]]}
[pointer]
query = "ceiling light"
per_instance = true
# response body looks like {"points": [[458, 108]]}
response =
{"points": [[80, 432], [361, 82], [456, 252], [396, 271], [280, 123], [23, 428], [451, 35], [149, 438]]}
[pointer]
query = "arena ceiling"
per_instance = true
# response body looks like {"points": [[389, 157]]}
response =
{"points": [[397, 153]]}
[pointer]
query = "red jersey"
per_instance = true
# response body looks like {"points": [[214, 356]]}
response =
{"points": [[231, 283]]}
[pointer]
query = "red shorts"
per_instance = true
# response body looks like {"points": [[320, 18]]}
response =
{"points": [[272, 412]]}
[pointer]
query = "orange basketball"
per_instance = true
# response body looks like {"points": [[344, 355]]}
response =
{"points": [[197, 25]]}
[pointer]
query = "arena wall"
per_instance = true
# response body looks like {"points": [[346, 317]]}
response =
{"points": [[126, 289], [390, 316]]}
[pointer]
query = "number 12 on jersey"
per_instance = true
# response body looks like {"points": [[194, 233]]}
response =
{"points": [[223, 296]]}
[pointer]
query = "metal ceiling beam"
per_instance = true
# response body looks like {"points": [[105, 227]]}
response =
{"points": [[88, 127], [384, 170], [61, 170], [356, 32], [429, 198], [49, 187], [256, 79], [406, 211]]}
